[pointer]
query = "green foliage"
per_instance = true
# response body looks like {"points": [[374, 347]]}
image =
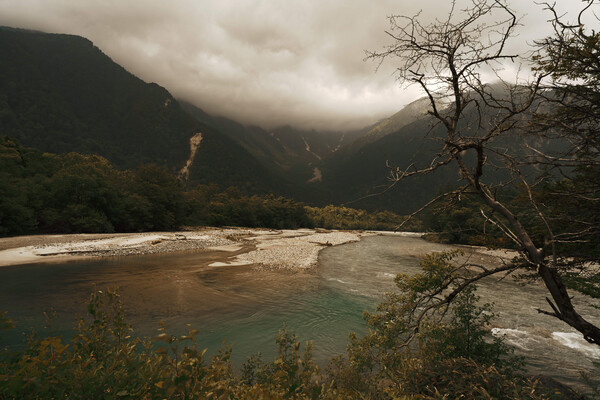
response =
{"points": [[104, 360], [339, 217], [233, 209], [5, 323], [68, 193], [291, 375], [163, 196], [573, 208], [416, 350], [459, 220], [570, 205], [72, 192], [416, 311], [466, 335], [15, 192], [586, 282], [101, 359]]}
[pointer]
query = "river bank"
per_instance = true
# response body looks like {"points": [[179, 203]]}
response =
{"points": [[231, 246], [265, 248], [235, 284]]}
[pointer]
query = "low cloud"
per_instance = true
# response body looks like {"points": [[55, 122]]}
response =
{"points": [[268, 63]]}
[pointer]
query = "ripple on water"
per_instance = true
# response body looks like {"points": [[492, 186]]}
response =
{"points": [[385, 275], [247, 308]]}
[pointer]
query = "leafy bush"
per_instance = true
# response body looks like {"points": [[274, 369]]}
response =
{"points": [[105, 360], [417, 348]]}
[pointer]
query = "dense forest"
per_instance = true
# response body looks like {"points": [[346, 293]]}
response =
{"points": [[87, 103], [72, 192]]}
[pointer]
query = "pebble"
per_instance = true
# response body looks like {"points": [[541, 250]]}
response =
{"points": [[299, 252], [275, 249]]}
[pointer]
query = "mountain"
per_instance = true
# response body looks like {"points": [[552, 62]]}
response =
{"points": [[359, 178], [291, 153], [60, 93], [346, 167], [358, 175], [408, 114]]}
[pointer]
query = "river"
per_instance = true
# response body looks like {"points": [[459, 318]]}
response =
{"points": [[246, 308]]}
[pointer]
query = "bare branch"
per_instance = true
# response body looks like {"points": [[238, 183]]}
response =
{"points": [[446, 60]]}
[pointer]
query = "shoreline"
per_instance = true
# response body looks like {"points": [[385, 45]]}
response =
{"points": [[261, 247]]}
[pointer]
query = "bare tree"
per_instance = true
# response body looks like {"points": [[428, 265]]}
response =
{"points": [[448, 60]]}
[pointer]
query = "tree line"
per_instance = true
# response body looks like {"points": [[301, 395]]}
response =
{"points": [[72, 193]]}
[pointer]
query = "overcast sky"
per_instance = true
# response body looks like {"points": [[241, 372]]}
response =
{"points": [[297, 62]]}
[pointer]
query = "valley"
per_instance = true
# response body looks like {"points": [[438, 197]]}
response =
{"points": [[95, 106], [404, 230]]}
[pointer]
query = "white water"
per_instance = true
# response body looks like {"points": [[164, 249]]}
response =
{"points": [[549, 345]]}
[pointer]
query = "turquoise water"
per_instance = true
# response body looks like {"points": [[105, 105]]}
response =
{"points": [[246, 308], [242, 307]]}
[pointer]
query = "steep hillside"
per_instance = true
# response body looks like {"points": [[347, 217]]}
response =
{"points": [[358, 175], [60, 93], [221, 160], [288, 152], [358, 178], [407, 115], [254, 139]]}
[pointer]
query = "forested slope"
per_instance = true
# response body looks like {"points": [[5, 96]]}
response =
{"points": [[60, 94]]}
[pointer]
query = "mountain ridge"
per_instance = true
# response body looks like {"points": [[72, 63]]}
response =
{"points": [[60, 93]]}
